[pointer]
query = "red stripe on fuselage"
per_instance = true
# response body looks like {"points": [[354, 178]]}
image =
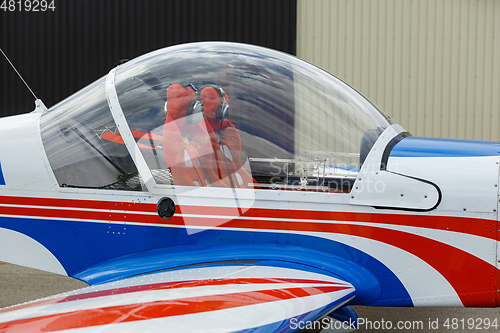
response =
{"points": [[472, 278], [76, 203], [158, 309], [479, 227], [467, 274]]}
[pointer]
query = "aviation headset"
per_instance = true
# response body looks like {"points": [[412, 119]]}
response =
{"points": [[194, 109], [223, 111]]}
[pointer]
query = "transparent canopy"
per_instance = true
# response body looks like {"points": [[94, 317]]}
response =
{"points": [[217, 114]]}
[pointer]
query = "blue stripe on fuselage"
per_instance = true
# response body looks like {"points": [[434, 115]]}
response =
{"points": [[412, 146], [81, 245], [2, 179]]}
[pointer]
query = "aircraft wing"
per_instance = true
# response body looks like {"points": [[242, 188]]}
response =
{"points": [[223, 298]]}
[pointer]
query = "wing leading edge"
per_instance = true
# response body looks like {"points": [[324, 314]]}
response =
{"points": [[217, 298]]}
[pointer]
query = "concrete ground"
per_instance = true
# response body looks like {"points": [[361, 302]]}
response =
{"points": [[20, 284]]}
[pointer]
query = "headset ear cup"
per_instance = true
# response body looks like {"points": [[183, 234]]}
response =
{"points": [[190, 108], [189, 112], [194, 112], [223, 110]]}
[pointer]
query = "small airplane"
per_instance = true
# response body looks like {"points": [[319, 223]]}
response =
{"points": [[232, 188]]}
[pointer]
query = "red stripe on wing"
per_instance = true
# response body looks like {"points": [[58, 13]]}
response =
{"points": [[167, 285], [158, 309]]}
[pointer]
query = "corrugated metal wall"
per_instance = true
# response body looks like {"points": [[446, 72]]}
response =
{"points": [[432, 65], [58, 52]]}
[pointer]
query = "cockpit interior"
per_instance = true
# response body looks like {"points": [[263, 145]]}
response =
{"points": [[212, 115]]}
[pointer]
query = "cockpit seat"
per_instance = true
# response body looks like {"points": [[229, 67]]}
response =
{"points": [[187, 146], [225, 139]]}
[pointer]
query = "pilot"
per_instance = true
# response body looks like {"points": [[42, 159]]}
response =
{"points": [[225, 139], [187, 146]]}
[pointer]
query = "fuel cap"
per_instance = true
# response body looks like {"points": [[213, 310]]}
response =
{"points": [[165, 208]]}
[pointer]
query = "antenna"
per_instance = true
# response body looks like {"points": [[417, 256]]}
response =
{"points": [[18, 73], [39, 106]]}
